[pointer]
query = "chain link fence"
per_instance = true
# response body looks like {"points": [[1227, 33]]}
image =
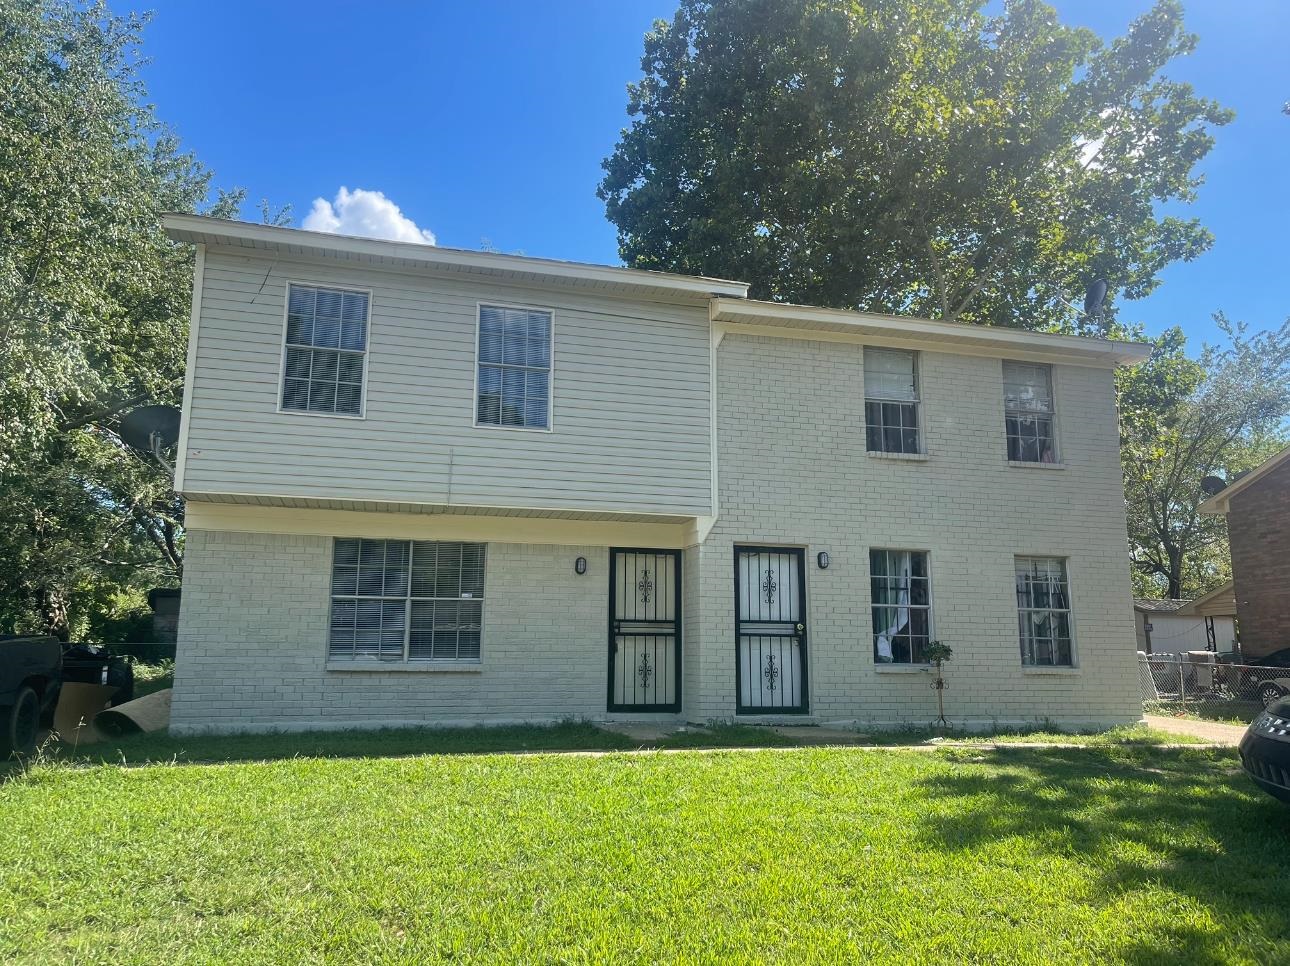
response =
{"points": [[1207, 685]]}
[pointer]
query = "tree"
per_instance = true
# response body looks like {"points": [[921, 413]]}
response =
{"points": [[94, 302], [911, 157], [1182, 420]]}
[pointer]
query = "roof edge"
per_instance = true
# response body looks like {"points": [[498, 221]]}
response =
{"points": [[198, 228], [1220, 502], [912, 327]]}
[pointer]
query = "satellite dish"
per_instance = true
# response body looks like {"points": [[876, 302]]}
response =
{"points": [[151, 430], [1212, 485], [1094, 297]]}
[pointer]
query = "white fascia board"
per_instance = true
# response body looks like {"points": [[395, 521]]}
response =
{"points": [[199, 229], [809, 322]]}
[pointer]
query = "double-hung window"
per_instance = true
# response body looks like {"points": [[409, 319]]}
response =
{"points": [[1044, 611], [406, 600], [1029, 414], [902, 605], [514, 368], [891, 401], [326, 346]]}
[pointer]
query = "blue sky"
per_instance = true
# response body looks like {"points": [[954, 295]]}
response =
{"points": [[489, 120]]}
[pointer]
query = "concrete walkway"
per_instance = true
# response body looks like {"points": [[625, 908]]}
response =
{"points": [[1213, 731]]}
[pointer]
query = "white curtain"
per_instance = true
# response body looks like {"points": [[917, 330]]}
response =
{"points": [[901, 620]]}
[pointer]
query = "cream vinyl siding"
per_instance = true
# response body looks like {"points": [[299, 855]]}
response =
{"points": [[630, 418]]}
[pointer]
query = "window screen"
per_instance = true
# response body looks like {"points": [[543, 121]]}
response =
{"points": [[326, 343], [400, 600], [514, 379], [1044, 611], [1029, 412], [891, 401], [902, 605]]}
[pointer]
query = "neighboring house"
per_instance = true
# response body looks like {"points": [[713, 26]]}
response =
{"points": [[429, 485], [1257, 507], [1168, 627]]}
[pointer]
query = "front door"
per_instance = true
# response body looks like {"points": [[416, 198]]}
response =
{"points": [[644, 630], [770, 592]]}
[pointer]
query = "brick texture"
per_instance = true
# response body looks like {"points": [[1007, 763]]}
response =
{"points": [[792, 472], [1258, 524]]}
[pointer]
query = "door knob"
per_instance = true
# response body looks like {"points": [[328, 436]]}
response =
{"points": [[800, 628]]}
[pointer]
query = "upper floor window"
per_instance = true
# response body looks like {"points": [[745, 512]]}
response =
{"points": [[514, 360], [406, 600], [1029, 413], [891, 401], [902, 605], [1044, 611], [326, 343]]}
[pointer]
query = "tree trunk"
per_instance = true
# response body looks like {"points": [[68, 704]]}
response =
{"points": [[53, 604], [1175, 572]]}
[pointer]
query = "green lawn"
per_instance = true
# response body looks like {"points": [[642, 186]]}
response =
{"points": [[797, 855]]}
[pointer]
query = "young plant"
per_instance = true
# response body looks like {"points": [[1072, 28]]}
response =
{"points": [[937, 653]]}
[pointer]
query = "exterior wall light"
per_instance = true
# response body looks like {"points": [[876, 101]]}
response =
{"points": [[580, 566], [822, 559]]}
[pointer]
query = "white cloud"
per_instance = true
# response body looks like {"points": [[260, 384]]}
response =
{"points": [[366, 213]]}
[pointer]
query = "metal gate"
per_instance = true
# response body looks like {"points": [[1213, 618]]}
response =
{"points": [[644, 630], [770, 630]]}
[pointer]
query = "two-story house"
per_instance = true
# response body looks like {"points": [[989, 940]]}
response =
{"points": [[435, 486]]}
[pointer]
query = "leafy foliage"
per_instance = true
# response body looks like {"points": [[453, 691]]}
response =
{"points": [[1184, 419], [910, 157], [94, 303]]}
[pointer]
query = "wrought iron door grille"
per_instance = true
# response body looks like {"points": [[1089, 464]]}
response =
{"points": [[644, 630], [770, 630]]}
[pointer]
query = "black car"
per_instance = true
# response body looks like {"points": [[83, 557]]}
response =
{"points": [[31, 673], [1265, 750]]}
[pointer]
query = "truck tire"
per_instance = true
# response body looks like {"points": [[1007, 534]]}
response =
{"points": [[21, 724]]}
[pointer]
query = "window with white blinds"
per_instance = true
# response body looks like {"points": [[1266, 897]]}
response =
{"points": [[325, 352], [891, 401], [406, 600], [514, 368], [1029, 412]]}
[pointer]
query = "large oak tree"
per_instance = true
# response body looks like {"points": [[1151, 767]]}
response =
{"points": [[911, 156]]}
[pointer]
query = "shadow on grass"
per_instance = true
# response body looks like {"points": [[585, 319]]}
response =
{"points": [[1186, 821]]}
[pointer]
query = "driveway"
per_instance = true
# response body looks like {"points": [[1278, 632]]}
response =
{"points": [[1223, 734]]}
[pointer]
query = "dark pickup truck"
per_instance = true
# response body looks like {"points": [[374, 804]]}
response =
{"points": [[31, 673]]}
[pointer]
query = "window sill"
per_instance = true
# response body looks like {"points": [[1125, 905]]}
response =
{"points": [[907, 457], [1027, 465], [883, 668], [410, 667], [1044, 669]]}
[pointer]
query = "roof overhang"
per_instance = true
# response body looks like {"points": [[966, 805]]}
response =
{"points": [[202, 230], [1221, 501], [1219, 602], [808, 322]]}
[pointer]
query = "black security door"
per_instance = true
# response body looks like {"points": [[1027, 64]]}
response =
{"points": [[644, 630], [770, 616]]}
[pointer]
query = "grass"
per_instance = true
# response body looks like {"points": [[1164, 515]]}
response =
{"points": [[153, 677], [811, 855], [1224, 712], [569, 736]]}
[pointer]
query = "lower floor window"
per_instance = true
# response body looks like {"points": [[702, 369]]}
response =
{"points": [[901, 596], [406, 600], [1044, 611]]}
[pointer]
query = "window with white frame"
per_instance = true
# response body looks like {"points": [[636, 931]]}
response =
{"points": [[900, 592], [406, 600], [514, 368], [891, 401], [1044, 612], [326, 346], [1029, 413]]}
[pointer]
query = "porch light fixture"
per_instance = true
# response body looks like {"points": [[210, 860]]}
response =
{"points": [[580, 566], [822, 559]]}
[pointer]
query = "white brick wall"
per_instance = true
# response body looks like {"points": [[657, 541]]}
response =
{"points": [[794, 472]]}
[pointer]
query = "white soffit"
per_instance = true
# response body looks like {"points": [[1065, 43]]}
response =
{"points": [[202, 230], [735, 315]]}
